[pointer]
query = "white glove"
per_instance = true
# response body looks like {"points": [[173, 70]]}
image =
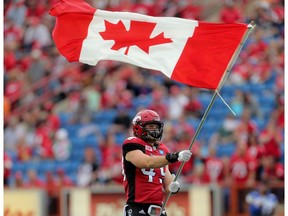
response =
{"points": [[184, 155], [174, 186]]}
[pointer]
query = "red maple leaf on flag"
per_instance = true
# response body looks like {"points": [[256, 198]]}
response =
{"points": [[138, 35]]}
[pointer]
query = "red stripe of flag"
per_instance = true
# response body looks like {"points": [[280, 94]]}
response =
{"points": [[73, 32], [206, 50]]}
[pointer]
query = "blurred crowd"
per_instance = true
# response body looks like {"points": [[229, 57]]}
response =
{"points": [[40, 85]]}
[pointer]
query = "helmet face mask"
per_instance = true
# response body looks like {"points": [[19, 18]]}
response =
{"points": [[147, 126]]}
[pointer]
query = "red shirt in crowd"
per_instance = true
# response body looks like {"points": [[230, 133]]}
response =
{"points": [[62, 179], [214, 169], [10, 60], [271, 145], [44, 141], [230, 15], [35, 182], [7, 165], [253, 155], [53, 122], [13, 90], [275, 172], [191, 12], [239, 168]]}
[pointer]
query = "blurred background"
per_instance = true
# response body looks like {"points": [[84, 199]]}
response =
{"points": [[64, 123]]}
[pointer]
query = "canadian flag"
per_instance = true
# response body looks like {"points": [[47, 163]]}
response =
{"points": [[187, 51]]}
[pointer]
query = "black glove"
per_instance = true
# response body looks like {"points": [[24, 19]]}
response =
{"points": [[172, 157], [182, 156]]}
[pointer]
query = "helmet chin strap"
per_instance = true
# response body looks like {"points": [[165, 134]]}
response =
{"points": [[153, 134], [153, 143]]}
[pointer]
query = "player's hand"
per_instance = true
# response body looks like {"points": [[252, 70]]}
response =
{"points": [[184, 155], [174, 186]]}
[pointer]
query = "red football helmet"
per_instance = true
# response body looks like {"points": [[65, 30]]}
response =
{"points": [[143, 118]]}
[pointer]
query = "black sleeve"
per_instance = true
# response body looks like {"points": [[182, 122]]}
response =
{"points": [[131, 147]]}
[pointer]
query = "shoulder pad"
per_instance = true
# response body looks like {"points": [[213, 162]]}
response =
{"points": [[134, 139]]}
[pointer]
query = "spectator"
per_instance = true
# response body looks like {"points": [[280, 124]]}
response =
{"points": [[63, 180], [16, 132], [237, 102], [36, 8], [125, 99], [226, 133], [254, 153], [43, 143], [261, 201], [246, 126], [33, 180], [176, 103], [36, 34], [10, 134], [18, 183], [168, 136], [37, 68], [271, 138], [17, 12], [90, 129], [93, 98], [8, 163], [198, 175], [24, 151], [13, 36], [183, 137], [191, 11], [138, 84], [230, 13], [158, 103], [194, 107], [62, 145], [250, 102], [214, 168], [53, 120], [239, 166], [13, 89], [111, 167], [82, 111], [241, 73], [121, 122], [183, 128], [87, 174], [71, 101], [271, 169]]}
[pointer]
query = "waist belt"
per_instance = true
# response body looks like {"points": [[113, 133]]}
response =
{"points": [[150, 209]]}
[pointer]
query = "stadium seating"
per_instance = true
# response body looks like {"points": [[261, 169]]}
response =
{"points": [[103, 119]]}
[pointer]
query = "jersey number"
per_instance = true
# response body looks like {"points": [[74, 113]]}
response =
{"points": [[150, 173]]}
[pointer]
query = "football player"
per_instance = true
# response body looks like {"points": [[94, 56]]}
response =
{"points": [[145, 166]]}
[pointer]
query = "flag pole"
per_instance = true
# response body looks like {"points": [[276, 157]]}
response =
{"points": [[250, 27]]}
